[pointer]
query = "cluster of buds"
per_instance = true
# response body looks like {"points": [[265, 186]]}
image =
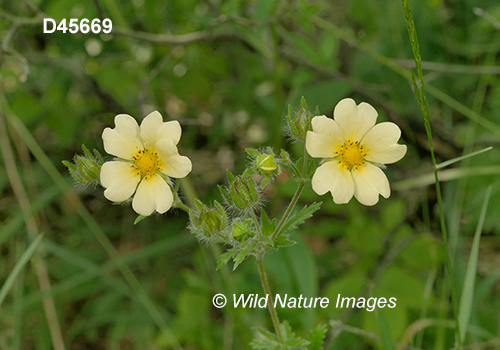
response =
{"points": [[242, 193], [86, 169], [299, 122], [207, 222]]}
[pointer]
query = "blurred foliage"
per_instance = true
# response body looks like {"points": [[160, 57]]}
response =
{"points": [[227, 69]]}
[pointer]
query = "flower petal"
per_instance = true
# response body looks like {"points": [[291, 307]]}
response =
{"points": [[354, 120], [336, 179], [153, 128], [380, 144], [325, 137], [152, 194], [119, 179], [369, 182], [173, 164], [123, 141]]}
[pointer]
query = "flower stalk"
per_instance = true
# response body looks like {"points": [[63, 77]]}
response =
{"points": [[267, 291]]}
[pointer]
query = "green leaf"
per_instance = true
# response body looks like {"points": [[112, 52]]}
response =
{"points": [[328, 45], [18, 268], [300, 216], [264, 9], [470, 273], [317, 337], [249, 172], [267, 334], [87, 152], [224, 258], [384, 330], [252, 152], [291, 340], [454, 160], [139, 219], [244, 252], [268, 226], [224, 193], [230, 176], [283, 241], [264, 182]]}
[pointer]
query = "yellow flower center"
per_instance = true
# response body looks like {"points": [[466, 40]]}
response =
{"points": [[146, 163], [351, 155]]}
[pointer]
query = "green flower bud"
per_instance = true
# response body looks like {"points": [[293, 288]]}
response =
{"points": [[241, 228], [299, 122], [209, 221], [242, 193], [86, 168], [89, 169], [266, 164]]}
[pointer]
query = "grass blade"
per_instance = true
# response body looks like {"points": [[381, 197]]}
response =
{"points": [[18, 268], [470, 274], [458, 159]]}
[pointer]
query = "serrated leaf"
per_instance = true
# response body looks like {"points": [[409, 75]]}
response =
{"points": [[263, 345], [283, 241], [269, 343], [300, 216], [267, 334], [317, 337], [224, 258], [244, 252], [291, 340], [268, 226], [296, 342]]}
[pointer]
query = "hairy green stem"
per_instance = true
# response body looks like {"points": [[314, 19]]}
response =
{"points": [[288, 211], [256, 222], [295, 198], [267, 290]]}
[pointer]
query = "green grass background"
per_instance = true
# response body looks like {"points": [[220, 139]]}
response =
{"points": [[230, 90]]}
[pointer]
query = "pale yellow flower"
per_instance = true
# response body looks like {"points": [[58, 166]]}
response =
{"points": [[147, 157], [354, 149]]}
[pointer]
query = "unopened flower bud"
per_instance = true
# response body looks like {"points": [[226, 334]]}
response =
{"points": [[86, 168], [209, 221], [242, 193], [266, 164], [299, 122], [241, 228]]}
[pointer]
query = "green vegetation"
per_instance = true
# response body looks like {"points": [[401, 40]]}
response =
{"points": [[77, 272]]}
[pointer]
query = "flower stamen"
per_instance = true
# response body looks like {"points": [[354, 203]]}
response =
{"points": [[146, 163], [351, 155]]}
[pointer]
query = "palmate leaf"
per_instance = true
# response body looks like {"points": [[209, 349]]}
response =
{"points": [[299, 217]]}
